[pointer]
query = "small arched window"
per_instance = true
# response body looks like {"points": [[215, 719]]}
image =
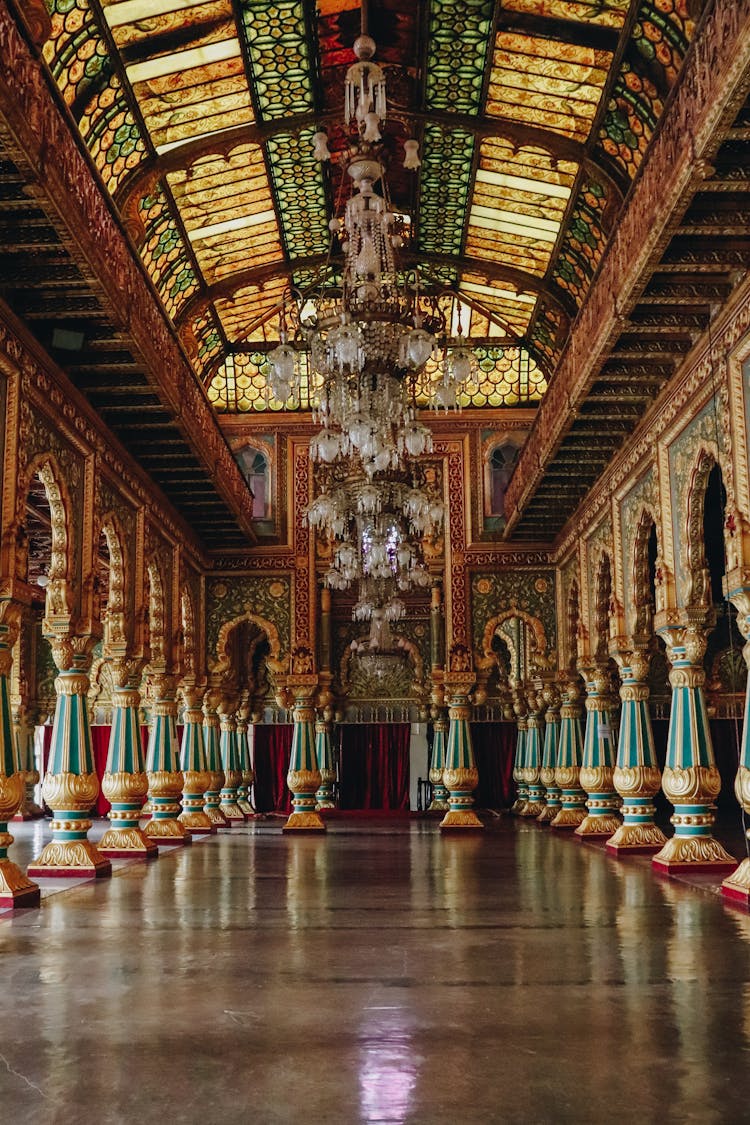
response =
{"points": [[256, 471], [501, 463]]}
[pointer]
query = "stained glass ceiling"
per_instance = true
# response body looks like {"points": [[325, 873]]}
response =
{"points": [[533, 117]]}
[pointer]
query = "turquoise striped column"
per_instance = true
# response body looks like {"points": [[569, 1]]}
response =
{"points": [[552, 803], [598, 765], [303, 777], [439, 801], [519, 766], [326, 765], [195, 773], [125, 783], [211, 797], [460, 775], [70, 785], [737, 885], [24, 725], [637, 777], [533, 758], [691, 780], [228, 747], [163, 768], [569, 758], [15, 889], [243, 756]]}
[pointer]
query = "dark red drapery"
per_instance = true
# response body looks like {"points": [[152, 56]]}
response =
{"points": [[272, 749], [494, 749], [374, 766]]}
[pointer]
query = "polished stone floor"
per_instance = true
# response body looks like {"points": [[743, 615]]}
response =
{"points": [[379, 974]]}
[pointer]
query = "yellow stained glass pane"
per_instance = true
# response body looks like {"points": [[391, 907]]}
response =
{"points": [[251, 313], [518, 204], [499, 300], [546, 83], [227, 207], [607, 13]]}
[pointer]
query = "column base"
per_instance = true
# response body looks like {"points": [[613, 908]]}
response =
{"points": [[636, 838], [532, 809], [309, 821], [438, 806], [216, 817], [548, 814], [233, 815], [167, 832], [737, 887], [246, 808], [692, 853], [325, 803], [598, 825], [70, 859], [518, 805], [460, 820], [127, 843], [16, 891], [568, 819], [197, 823]]}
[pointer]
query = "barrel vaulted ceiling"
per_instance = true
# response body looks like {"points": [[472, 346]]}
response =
{"points": [[532, 116], [537, 122]]}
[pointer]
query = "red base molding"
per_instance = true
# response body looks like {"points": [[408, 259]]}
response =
{"points": [[21, 899], [662, 868]]}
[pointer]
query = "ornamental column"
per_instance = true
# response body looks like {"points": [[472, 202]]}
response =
{"points": [[326, 764], [532, 760], [196, 777], [303, 777], [211, 797], [737, 885], [552, 803], [163, 766], [691, 781], [637, 777], [24, 727], [15, 889], [230, 764], [460, 775], [598, 764], [247, 777], [125, 783], [519, 762], [569, 758], [70, 785], [439, 801]]}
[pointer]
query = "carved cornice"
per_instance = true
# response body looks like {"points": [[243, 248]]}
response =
{"points": [[704, 101], [68, 190], [53, 395], [670, 413]]}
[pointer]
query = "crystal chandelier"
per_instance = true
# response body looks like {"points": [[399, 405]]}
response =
{"points": [[370, 335], [379, 656]]}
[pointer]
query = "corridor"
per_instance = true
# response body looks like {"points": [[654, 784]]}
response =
{"points": [[382, 973]]}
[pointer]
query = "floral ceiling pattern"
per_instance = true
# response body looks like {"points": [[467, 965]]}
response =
{"points": [[533, 118]]}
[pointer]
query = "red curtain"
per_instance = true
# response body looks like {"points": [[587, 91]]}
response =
{"points": [[100, 746], [374, 766], [494, 750], [273, 745]]}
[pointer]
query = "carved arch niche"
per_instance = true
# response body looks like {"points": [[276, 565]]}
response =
{"points": [[247, 659], [110, 587], [698, 576], [525, 641], [572, 626], [43, 536]]}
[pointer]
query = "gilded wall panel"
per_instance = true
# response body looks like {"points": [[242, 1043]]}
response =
{"points": [[266, 596], [532, 591], [644, 495], [703, 432], [409, 674], [598, 543]]}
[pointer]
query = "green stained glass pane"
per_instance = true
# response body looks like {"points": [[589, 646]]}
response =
{"points": [[164, 254], [459, 35], [302, 213], [276, 43], [446, 168]]}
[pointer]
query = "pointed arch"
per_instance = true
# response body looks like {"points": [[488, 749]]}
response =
{"points": [[224, 654], [115, 622], [698, 583], [156, 612], [189, 632], [45, 466], [537, 632], [643, 595], [602, 600]]}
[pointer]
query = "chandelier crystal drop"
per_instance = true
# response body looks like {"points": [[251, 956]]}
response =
{"points": [[370, 334]]}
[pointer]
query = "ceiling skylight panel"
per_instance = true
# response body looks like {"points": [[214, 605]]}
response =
{"points": [[179, 61], [546, 83], [122, 12], [606, 13]]}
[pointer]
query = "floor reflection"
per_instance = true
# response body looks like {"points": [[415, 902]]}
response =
{"points": [[388, 1066]]}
